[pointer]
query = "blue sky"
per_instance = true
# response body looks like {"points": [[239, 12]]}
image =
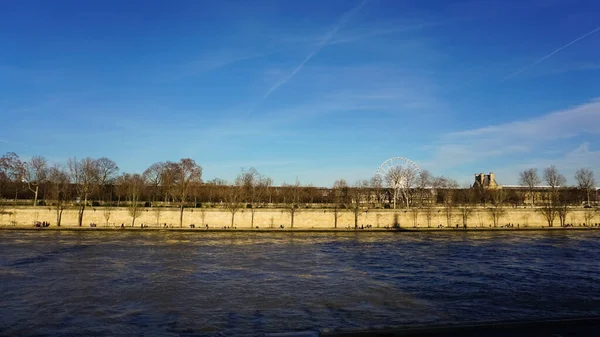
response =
{"points": [[314, 90]]}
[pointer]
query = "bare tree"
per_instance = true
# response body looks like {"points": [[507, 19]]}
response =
{"points": [[497, 210], [135, 185], [153, 176], [254, 186], [530, 179], [553, 178], [465, 199], [121, 188], [263, 188], [585, 181], [157, 210], [465, 213], [168, 176], [85, 176], [479, 215], [59, 180], [3, 210], [549, 211], [401, 179], [562, 210], [429, 212], [340, 197], [358, 194], [4, 175], [376, 184], [215, 189], [293, 199], [11, 170], [424, 181], [34, 174], [107, 172], [107, 212], [233, 201], [203, 215], [588, 216], [185, 174], [552, 205], [447, 187], [415, 211]]}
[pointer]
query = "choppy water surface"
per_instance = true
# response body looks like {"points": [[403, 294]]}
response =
{"points": [[229, 284]]}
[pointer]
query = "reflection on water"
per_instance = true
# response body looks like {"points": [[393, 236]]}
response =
{"points": [[223, 284]]}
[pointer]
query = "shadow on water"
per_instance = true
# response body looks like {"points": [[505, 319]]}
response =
{"points": [[47, 256]]}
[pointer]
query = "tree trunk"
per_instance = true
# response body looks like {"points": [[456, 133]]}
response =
{"points": [[252, 217], [81, 210], [35, 197], [335, 218], [181, 216], [58, 215], [588, 196], [292, 218], [232, 219], [532, 199], [80, 216], [355, 219]]}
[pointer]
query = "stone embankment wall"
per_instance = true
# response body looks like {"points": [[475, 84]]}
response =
{"points": [[273, 218]]}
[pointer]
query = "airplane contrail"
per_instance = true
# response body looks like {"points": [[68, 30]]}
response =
{"points": [[318, 48], [552, 53]]}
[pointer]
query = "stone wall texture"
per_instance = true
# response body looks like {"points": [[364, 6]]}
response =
{"points": [[273, 218]]}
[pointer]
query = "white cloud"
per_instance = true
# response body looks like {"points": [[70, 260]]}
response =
{"points": [[567, 163], [561, 124], [537, 142]]}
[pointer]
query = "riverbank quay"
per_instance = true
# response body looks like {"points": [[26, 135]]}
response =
{"points": [[309, 218], [293, 230]]}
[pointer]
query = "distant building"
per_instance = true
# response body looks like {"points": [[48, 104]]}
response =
{"points": [[485, 181]]}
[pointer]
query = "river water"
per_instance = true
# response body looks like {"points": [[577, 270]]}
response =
{"points": [[71, 283]]}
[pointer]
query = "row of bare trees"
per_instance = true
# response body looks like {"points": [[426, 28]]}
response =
{"points": [[554, 196], [556, 181], [180, 183]]}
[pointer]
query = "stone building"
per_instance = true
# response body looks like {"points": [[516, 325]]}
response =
{"points": [[485, 181]]}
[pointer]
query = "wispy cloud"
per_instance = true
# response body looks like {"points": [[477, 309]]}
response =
{"points": [[383, 31], [567, 68], [325, 40], [580, 156], [536, 138], [584, 118], [516, 73]]}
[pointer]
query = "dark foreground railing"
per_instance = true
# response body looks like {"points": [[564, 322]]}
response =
{"points": [[573, 327]]}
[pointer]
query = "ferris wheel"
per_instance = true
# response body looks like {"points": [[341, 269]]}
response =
{"points": [[398, 172]]}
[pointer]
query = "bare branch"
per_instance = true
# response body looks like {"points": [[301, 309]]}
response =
{"points": [[585, 181], [530, 179]]}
